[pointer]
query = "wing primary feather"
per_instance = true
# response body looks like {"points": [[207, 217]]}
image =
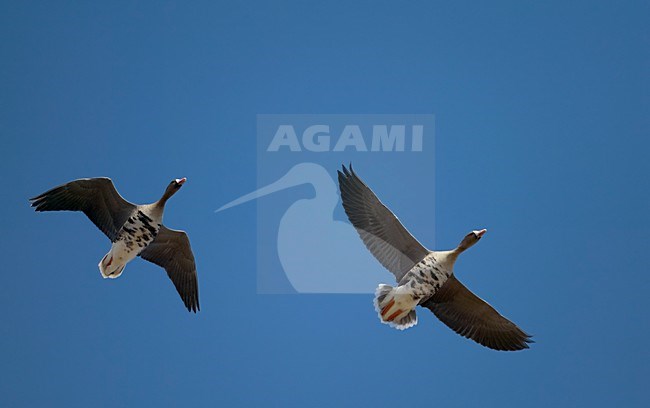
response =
{"points": [[472, 317], [382, 233]]}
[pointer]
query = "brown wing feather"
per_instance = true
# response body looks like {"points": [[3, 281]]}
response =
{"points": [[472, 317], [382, 233], [171, 250], [96, 197]]}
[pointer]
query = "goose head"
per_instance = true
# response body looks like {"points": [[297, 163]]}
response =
{"points": [[171, 189], [470, 239]]}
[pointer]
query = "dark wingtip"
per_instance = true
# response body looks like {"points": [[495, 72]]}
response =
{"points": [[193, 305], [33, 202], [346, 172], [524, 343]]}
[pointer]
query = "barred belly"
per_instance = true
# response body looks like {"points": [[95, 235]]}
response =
{"points": [[425, 278], [138, 232]]}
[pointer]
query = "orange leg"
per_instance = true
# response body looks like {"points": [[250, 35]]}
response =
{"points": [[394, 315], [387, 307]]}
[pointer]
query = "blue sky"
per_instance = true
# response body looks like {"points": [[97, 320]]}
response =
{"points": [[541, 136]]}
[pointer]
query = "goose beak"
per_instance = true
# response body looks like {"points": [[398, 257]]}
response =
{"points": [[181, 181], [480, 233]]}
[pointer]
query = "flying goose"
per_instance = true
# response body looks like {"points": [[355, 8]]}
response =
{"points": [[425, 278], [133, 230]]}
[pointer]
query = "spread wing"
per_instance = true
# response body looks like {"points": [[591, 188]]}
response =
{"points": [[381, 232], [171, 250], [96, 197], [472, 317]]}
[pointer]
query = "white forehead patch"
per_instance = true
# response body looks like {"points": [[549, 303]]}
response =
{"points": [[479, 233]]}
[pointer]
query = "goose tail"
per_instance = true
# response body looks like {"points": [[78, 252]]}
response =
{"points": [[109, 268], [393, 307]]}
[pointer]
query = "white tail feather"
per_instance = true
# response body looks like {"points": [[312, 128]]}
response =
{"points": [[388, 297], [109, 268]]}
